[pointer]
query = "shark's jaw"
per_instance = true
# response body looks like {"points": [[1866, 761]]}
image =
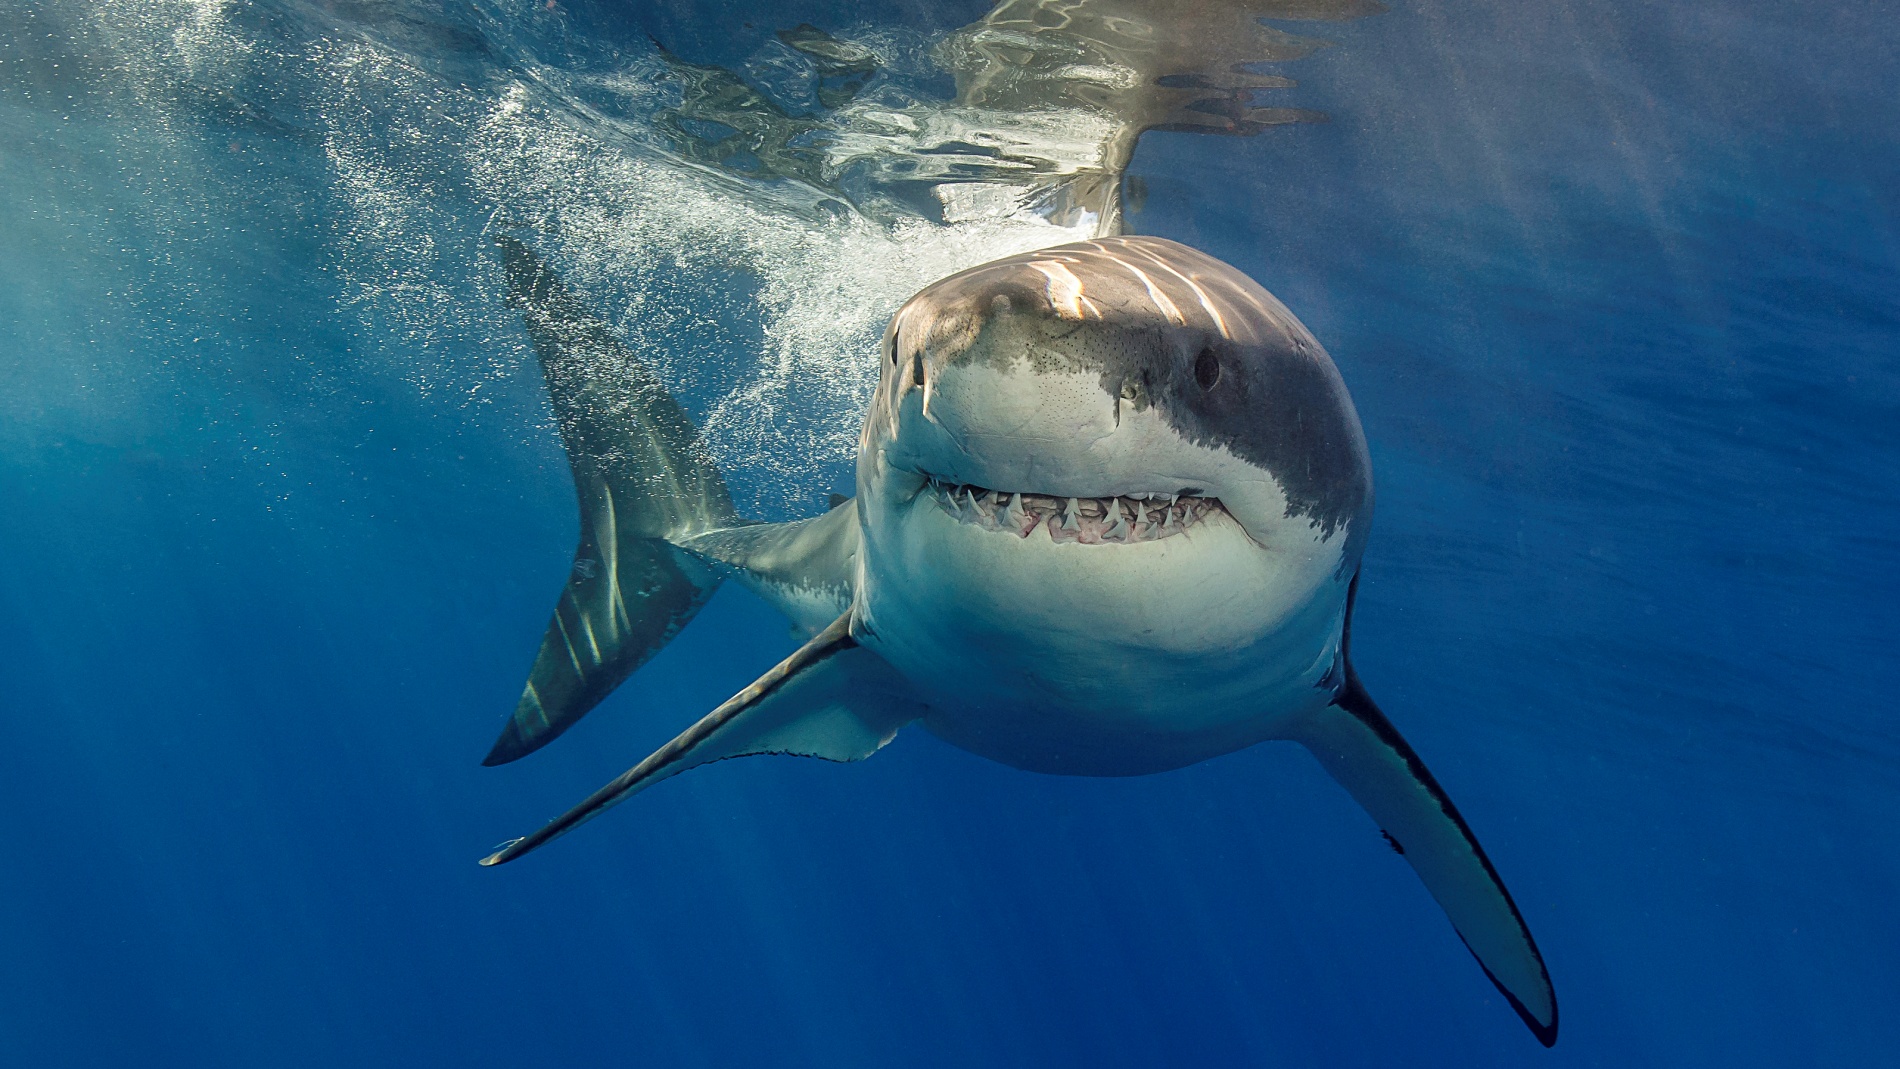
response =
{"points": [[1116, 519], [1078, 579], [956, 566], [1118, 647]]}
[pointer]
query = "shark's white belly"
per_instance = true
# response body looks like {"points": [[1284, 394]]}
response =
{"points": [[1100, 659]]}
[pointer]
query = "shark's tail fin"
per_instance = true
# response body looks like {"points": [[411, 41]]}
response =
{"points": [[644, 481]]}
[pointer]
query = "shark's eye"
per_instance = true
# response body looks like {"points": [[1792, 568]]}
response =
{"points": [[1207, 369], [893, 348]]}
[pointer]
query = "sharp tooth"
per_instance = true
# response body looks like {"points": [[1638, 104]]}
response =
{"points": [[1118, 525], [1015, 515], [1069, 517]]}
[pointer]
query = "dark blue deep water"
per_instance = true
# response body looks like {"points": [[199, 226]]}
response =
{"points": [[1616, 287]]}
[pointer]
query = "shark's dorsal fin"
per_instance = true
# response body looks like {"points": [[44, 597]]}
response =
{"points": [[1365, 753], [642, 479], [832, 699]]}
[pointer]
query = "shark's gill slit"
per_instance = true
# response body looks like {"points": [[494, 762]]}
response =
{"points": [[1116, 520]]}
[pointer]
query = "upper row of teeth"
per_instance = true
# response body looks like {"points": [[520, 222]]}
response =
{"points": [[1123, 518]]}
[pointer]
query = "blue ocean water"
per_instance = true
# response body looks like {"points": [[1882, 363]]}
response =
{"points": [[1616, 288]]}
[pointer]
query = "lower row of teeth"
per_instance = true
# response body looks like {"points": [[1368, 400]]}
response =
{"points": [[1089, 520]]}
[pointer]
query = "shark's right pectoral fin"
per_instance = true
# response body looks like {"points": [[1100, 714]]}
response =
{"points": [[832, 699], [1362, 750]]}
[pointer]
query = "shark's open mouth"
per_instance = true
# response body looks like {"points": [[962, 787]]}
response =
{"points": [[1088, 520]]}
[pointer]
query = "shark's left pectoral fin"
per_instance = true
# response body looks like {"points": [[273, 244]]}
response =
{"points": [[832, 699], [1362, 750]]}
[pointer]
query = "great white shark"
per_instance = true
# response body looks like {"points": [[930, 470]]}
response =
{"points": [[1116, 481]]}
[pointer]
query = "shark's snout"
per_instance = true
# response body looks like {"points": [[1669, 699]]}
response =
{"points": [[1119, 370]]}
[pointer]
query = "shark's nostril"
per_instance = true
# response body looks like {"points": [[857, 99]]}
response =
{"points": [[917, 371]]}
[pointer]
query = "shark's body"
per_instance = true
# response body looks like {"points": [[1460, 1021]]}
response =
{"points": [[1111, 503]]}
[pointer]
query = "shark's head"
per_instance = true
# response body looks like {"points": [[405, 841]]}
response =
{"points": [[1125, 424]]}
